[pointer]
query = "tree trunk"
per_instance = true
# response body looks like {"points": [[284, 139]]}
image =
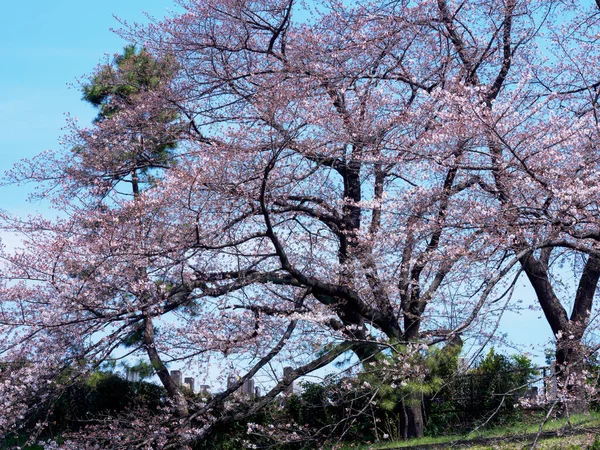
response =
{"points": [[570, 377], [175, 394], [413, 314], [570, 355], [414, 413]]}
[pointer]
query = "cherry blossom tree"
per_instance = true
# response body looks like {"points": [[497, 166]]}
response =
{"points": [[540, 163], [340, 175]]}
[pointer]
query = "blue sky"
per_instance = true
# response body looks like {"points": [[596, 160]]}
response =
{"points": [[46, 45]]}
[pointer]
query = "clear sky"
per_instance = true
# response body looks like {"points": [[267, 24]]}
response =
{"points": [[45, 45]]}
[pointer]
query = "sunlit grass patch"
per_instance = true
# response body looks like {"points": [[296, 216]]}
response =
{"points": [[517, 436]]}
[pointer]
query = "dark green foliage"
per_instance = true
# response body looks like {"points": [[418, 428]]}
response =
{"points": [[593, 368], [360, 409], [234, 436], [226, 438], [314, 406], [12, 442], [331, 410], [133, 72], [134, 339], [488, 393], [137, 82], [101, 394], [452, 402], [376, 402], [502, 380], [141, 368]]}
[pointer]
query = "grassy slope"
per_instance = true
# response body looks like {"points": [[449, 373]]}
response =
{"points": [[578, 432]]}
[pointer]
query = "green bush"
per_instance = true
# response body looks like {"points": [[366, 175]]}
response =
{"points": [[98, 395], [488, 393], [102, 393]]}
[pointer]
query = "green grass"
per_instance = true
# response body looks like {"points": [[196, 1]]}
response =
{"points": [[578, 442], [509, 437]]}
